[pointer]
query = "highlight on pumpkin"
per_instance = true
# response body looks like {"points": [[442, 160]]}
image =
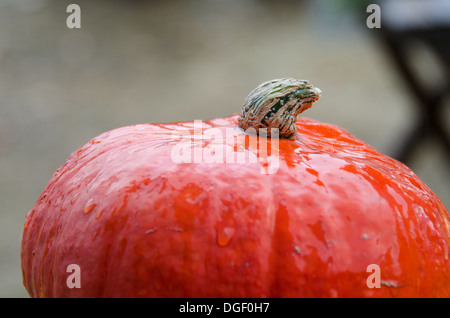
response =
{"points": [[228, 146]]}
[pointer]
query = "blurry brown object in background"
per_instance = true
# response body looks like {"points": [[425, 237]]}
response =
{"points": [[405, 22]]}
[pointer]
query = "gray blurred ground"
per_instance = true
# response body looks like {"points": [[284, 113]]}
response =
{"points": [[163, 61]]}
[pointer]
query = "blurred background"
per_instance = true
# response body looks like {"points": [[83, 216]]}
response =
{"points": [[163, 61]]}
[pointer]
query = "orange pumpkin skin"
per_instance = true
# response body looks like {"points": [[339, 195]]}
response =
{"points": [[140, 225]]}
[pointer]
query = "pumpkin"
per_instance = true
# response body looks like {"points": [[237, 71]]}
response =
{"points": [[258, 204]]}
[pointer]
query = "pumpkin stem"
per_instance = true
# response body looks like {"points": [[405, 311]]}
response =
{"points": [[277, 104]]}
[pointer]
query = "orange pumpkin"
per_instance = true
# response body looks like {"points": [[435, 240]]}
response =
{"points": [[218, 210]]}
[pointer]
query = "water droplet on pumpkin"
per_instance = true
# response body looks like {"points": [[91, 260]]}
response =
{"points": [[28, 218], [90, 205], [99, 214], [150, 231], [224, 236], [446, 252]]}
